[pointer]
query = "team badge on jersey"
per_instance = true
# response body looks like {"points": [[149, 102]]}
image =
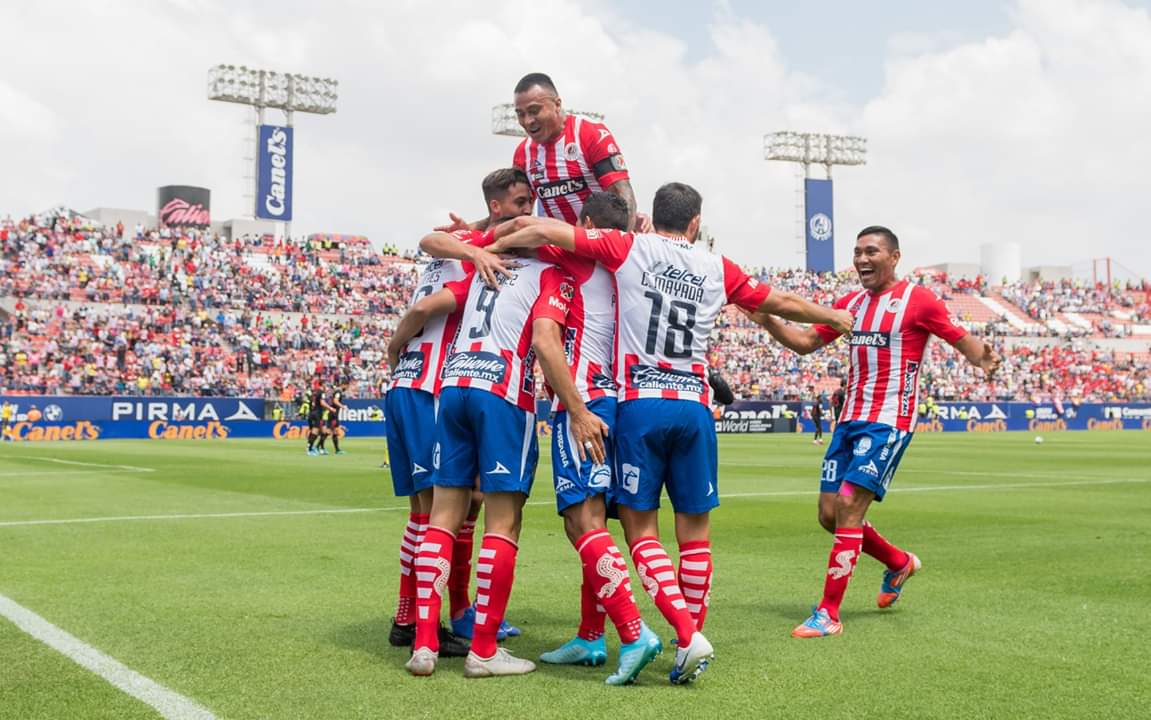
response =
{"points": [[617, 163], [567, 291], [571, 151]]}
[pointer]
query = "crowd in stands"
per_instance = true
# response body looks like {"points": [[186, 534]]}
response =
{"points": [[113, 310]]}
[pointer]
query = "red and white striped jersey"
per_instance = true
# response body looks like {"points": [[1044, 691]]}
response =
{"points": [[888, 341], [585, 158], [422, 358], [493, 348], [670, 293], [589, 336]]}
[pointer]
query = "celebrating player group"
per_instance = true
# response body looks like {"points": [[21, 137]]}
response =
{"points": [[617, 307]]}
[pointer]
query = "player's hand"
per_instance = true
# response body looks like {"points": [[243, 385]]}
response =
{"points": [[844, 322], [990, 361], [490, 266], [588, 431], [643, 223], [393, 356], [457, 223]]}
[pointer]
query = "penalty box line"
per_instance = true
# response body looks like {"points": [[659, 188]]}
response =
{"points": [[395, 508], [169, 703]]}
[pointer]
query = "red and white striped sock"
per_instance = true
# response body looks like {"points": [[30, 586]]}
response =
{"points": [[658, 578], [695, 571], [495, 573], [409, 546], [433, 567], [879, 548], [605, 575], [462, 568], [840, 565], [592, 615]]}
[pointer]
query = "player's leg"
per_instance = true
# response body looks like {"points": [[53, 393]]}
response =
{"points": [[323, 437], [455, 461], [311, 435], [692, 487], [507, 461], [461, 612], [334, 428], [900, 563]]}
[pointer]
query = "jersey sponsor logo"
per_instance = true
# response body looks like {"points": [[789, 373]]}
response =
{"points": [[870, 338], [558, 304], [499, 469], [870, 469], [602, 382], [630, 479], [910, 378], [559, 188], [649, 377], [477, 365], [600, 476], [863, 446], [563, 484], [672, 280]]}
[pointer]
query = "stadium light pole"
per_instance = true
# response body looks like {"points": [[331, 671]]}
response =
{"points": [[264, 89], [504, 120], [816, 149]]}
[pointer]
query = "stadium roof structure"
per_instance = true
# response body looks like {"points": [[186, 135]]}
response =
{"points": [[504, 120]]}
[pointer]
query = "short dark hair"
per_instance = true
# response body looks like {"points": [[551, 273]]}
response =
{"points": [[498, 182], [674, 206], [527, 82], [882, 232], [607, 210]]}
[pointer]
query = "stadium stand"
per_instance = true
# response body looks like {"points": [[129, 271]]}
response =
{"points": [[95, 310]]}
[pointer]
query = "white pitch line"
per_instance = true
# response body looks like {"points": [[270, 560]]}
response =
{"points": [[133, 468], [165, 701], [347, 511]]}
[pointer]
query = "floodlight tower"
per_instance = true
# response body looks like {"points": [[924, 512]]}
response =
{"points": [[504, 120], [291, 93], [821, 149]]}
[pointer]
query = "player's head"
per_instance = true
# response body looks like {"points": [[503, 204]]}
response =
{"points": [[604, 210], [507, 194], [539, 108], [676, 210], [876, 255]]}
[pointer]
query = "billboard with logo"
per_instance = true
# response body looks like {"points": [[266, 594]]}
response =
{"points": [[274, 179], [820, 227], [184, 206]]}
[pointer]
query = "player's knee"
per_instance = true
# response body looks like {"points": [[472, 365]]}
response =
{"points": [[827, 518]]}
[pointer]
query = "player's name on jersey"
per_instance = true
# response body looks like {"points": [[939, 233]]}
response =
{"points": [[676, 281], [477, 365], [649, 377]]}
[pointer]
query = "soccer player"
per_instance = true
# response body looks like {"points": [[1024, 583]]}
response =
{"points": [[416, 356], [7, 412], [486, 427], [316, 419], [817, 419], [838, 398], [670, 293], [336, 404], [566, 157], [893, 321]]}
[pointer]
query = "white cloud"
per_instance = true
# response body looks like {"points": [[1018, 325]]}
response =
{"points": [[1036, 135]]}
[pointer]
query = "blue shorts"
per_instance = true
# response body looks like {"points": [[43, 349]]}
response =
{"points": [[665, 443], [478, 433], [864, 454], [577, 480], [408, 414]]}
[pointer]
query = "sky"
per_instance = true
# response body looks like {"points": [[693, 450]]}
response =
{"points": [[987, 122]]}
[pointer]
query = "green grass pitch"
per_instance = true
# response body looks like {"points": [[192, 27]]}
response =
{"points": [[1033, 601]]}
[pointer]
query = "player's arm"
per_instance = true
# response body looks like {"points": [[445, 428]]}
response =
{"points": [[979, 353], [586, 427], [624, 190], [720, 389], [449, 247], [792, 307], [799, 339], [438, 303], [529, 232]]}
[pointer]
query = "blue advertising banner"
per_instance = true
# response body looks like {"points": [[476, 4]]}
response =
{"points": [[820, 228], [274, 181], [1014, 417], [73, 408]]}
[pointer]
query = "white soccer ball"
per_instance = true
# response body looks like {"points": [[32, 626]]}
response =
{"points": [[1038, 439]]}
